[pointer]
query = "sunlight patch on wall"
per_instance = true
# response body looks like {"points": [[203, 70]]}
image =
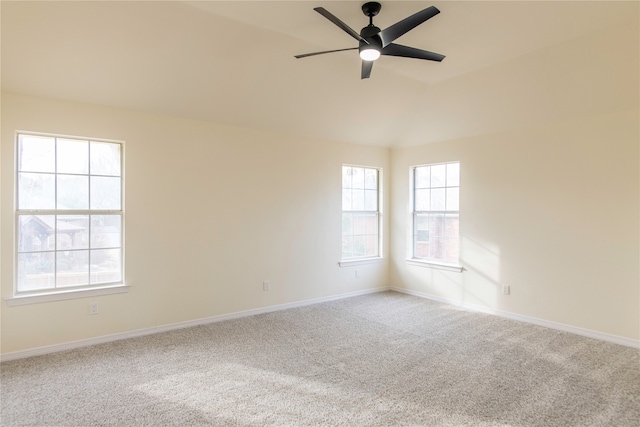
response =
{"points": [[481, 261]]}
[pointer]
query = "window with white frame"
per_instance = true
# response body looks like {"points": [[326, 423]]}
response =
{"points": [[69, 213], [436, 213], [360, 212]]}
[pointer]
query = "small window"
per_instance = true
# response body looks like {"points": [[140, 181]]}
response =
{"points": [[360, 212], [69, 216], [436, 213]]}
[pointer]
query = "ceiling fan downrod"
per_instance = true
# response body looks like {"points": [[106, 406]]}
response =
{"points": [[371, 9]]}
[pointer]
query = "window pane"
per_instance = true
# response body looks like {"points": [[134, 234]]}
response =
{"points": [[73, 156], [451, 227], [72, 232], [105, 158], [452, 199], [358, 177], [73, 192], [438, 175], [436, 225], [437, 249], [105, 193], [453, 174], [371, 245], [36, 191], [370, 200], [347, 246], [421, 248], [359, 224], [36, 271], [371, 179], [346, 177], [358, 200], [34, 232], [422, 177], [36, 153], [105, 266], [437, 199], [371, 224], [359, 244], [422, 200], [421, 236], [421, 228], [346, 200], [347, 224], [72, 268], [105, 231]]}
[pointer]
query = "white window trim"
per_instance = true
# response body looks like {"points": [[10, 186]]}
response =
{"points": [[60, 294], [359, 261], [66, 294], [430, 264]]}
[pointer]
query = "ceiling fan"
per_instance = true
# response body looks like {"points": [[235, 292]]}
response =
{"points": [[375, 42]]}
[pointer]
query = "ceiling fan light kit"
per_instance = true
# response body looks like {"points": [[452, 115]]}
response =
{"points": [[369, 53], [374, 42]]}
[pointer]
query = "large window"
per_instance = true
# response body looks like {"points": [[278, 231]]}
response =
{"points": [[360, 212], [69, 216], [436, 214]]}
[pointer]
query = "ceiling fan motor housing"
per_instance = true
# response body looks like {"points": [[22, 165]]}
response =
{"points": [[370, 34]]}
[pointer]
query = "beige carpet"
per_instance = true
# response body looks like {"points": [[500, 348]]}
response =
{"points": [[377, 360]]}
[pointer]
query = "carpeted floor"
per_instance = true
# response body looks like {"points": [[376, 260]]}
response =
{"points": [[384, 359]]}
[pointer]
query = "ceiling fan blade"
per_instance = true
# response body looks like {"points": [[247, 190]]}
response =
{"points": [[304, 55], [399, 28], [347, 29], [411, 52], [366, 69]]}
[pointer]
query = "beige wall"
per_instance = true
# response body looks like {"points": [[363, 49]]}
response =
{"points": [[211, 212], [552, 211]]}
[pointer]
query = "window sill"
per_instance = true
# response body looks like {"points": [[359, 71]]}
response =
{"points": [[359, 261], [64, 295], [427, 264]]}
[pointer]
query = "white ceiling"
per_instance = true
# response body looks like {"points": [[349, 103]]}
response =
{"points": [[508, 64]]}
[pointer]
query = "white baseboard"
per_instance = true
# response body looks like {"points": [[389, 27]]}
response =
{"points": [[39, 351], [236, 315], [527, 319]]}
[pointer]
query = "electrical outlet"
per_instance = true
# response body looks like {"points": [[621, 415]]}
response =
{"points": [[266, 285], [357, 273], [93, 308], [506, 289]]}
